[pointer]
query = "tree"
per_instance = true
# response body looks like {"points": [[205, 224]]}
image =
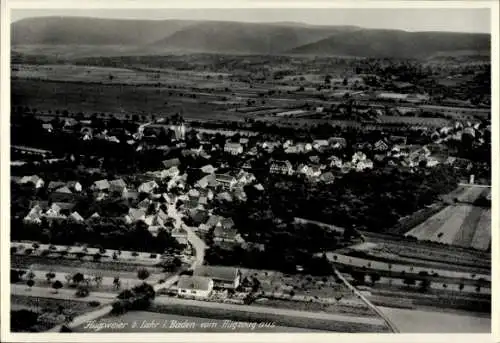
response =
{"points": [[126, 294], [14, 276], [408, 281], [461, 287], [22, 320], [117, 282], [82, 292], [30, 283], [57, 285], [359, 277], [78, 277], [50, 276], [143, 274], [30, 275], [424, 285], [374, 277], [98, 280]]}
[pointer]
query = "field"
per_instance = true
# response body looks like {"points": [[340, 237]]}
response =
{"points": [[462, 225], [427, 321], [425, 255]]}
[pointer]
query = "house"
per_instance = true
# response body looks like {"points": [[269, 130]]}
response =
{"points": [[337, 142], [135, 214], [34, 216], [327, 177], [226, 181], [74, 186], [358, 156], [381, 145], [364, 164], [172, 172], [48, 127], [55, 185], [101, 186], [226, 223], [281, 167], [180, 235], [314, 159], [75, 216], [224, 196], [70, 122], [233, 148], [303, 169], [259, 187], [208, 169], [222, 235], [206, 193], [95, 215], [174, 162], [240, 194], [65, 207], [335, 162], [62, 194], [198, 216], [198, 287], [118, 187], [317, 143], [207, 181], [148, 187], [223, 277], [314, 171], [244, 178], [33, 179]]}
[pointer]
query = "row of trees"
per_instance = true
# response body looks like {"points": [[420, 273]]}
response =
{"points": [[110, 233]]}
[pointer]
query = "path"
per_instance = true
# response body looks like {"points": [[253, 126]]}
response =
{"points": [[367, 302]]}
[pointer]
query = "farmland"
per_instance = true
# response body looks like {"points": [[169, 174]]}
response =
{"points": [[465, 222], [462, 225]]}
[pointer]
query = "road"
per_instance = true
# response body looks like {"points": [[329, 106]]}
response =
{"points": [[195, 241], [376, 265], [382, 315], [435, 321]]}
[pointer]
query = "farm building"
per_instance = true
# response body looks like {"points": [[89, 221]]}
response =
{"points": [[223, 277], [194, 286]]}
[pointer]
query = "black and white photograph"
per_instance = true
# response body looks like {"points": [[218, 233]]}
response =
{"points": [[249, 170]]}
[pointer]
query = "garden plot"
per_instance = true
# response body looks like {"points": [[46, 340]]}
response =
{"points": [[461, 225], [467, 231], [427, 229], [446, 234], [470, 195], [482, 236]]}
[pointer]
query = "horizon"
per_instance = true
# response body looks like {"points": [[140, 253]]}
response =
{"points": [[411, 20]]}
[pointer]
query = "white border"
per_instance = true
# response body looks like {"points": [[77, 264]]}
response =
{"points": [[6, 336]]}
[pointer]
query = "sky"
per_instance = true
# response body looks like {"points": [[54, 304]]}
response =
{"points": [[410, 19]]}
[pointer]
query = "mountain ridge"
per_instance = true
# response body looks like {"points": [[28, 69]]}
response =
{"points": [[233, 37]]}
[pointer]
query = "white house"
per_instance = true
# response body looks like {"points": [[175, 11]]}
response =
{"points": [[233, 148], [198, 287], [34, 179], [148, 187], [223, 277]]}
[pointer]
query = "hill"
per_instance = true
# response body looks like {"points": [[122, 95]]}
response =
{"points": [[91, 31], [121, 36], [394, 43], [248, 38]]}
